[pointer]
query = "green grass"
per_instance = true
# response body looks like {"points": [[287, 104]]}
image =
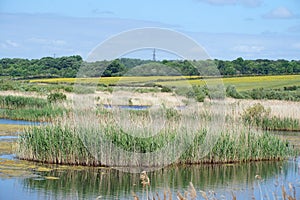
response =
{"points": [[26, 86], [33, 114], [17, 102]]}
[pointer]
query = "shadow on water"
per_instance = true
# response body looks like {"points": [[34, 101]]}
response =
{"points": [[222, 179]]}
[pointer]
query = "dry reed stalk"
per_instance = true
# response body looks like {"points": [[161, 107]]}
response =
{"points": [[158, 198], [233, 196], [192, 191], [165, 195], [203, 194], [170, 194], [135, 197], [180, 196], [284, 195], [292, 190]]}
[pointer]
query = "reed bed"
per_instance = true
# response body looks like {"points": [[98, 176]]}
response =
{"points": [[142, 139], [29, 108], [33, 114], [257, 115], [17, 102]]}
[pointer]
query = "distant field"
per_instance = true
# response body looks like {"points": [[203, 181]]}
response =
{"points": [[113, 80], [246, 83], [241, 83]]}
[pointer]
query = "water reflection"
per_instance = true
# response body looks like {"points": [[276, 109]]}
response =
{"points": [[222, 179]]}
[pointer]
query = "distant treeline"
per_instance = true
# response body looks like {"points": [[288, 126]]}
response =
{"points": [[69, 66]]}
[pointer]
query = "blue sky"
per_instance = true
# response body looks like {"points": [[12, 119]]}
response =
{"points": [[227, 29]]}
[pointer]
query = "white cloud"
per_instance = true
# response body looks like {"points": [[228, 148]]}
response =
{"points": [[44, 41], [279, 13], [12, 43], [247, 3], [248, 48], [9, 43], [40, 35]]}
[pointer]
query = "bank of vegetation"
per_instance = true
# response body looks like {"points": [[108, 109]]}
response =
{"points": [[72, 141]]}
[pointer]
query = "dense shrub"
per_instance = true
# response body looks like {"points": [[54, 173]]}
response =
{"points": [[232, 92], [166, 89]]}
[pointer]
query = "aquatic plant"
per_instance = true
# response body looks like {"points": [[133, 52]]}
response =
{"points": [[185, 137], [29, 108], [17, 102]]}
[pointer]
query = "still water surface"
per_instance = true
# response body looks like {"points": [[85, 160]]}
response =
{"points": [[220, 180]]}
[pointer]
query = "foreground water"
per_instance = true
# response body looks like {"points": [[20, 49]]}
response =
{"points": [[27, 180], [219, 180]]}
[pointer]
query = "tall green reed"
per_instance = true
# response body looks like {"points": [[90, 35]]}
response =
{"points": [[185, 137]]}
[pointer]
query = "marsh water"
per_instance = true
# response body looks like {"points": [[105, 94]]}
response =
{"points": [[261, 180]]}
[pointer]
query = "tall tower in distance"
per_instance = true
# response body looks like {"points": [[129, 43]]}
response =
{"points": [[154, 56]]}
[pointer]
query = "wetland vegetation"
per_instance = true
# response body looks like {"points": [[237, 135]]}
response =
{"points": [[30, 108], [188, 127], [68, 141]]}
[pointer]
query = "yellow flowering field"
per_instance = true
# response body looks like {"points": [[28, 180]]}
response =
{"points": [[111, 80], [244, 83], [241, 83]]}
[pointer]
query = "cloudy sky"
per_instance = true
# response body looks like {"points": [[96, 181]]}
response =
{"points": [[227, 29]]}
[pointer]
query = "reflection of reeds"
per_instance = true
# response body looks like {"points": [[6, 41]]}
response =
{"points": [[192, 194], [113, 183]]}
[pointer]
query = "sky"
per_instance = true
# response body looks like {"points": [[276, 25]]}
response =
{"points": [[226, 29]]}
